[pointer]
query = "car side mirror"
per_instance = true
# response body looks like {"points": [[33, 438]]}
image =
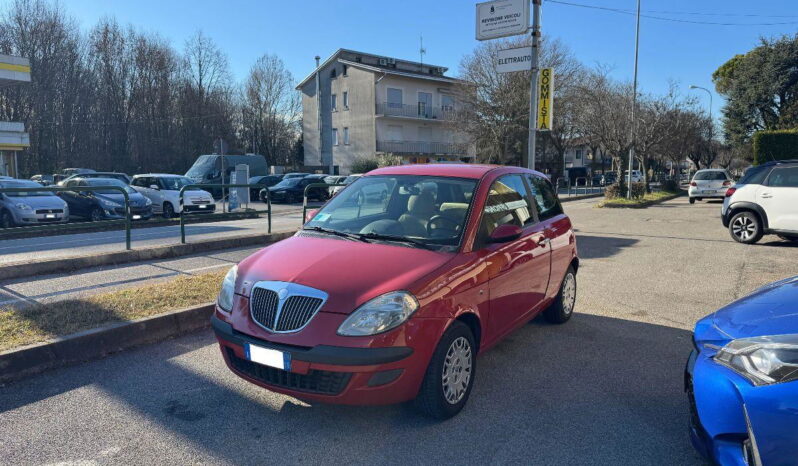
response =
{"points": [[505, 233], [155, 187]]}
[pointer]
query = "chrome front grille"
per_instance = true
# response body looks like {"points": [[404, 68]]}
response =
{"points": [[283, 307]]}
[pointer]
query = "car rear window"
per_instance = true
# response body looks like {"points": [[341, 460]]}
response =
{"points": [[710, 176], [755, 175]]}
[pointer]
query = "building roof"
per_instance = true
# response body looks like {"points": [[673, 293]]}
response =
{"points": [[335, 57]]}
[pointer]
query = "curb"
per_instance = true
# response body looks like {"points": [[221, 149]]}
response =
{"points": [[579, 198], [69, 264], [100, 342], [644, 204]]}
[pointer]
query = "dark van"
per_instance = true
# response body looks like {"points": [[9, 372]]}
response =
{"points": [[207, 169]]}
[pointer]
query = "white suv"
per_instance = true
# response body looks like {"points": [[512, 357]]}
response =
{"points": [[708, 184], [764, 201], [164, 192]]}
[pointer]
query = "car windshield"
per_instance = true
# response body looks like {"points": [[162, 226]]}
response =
{"points": [[203, 165], [350, 179], [24, 184], [425, 210], [714, 175], [174, 183], [287, 183], [108, 182]]}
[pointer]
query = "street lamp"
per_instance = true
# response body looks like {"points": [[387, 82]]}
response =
{"points": [[711, 121]]}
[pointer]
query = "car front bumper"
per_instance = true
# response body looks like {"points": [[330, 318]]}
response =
{"points": [[200, 208], [351, 375], [36, 218], [733, 421]]}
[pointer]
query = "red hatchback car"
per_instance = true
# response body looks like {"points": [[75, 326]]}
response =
{"points": [[390, 290]]}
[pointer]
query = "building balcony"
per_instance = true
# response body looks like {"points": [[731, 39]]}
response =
{"points": [[423, 148], [14, 70], [419, 110]]}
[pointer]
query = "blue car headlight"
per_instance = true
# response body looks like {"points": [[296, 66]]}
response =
{"points": [[762, 360]]}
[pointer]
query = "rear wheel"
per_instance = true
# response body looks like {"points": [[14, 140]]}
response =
{"points": [[692, 200], [745, 228], [450, 374], [6, 221], [562, 308], [168, 210], [96, 214]]}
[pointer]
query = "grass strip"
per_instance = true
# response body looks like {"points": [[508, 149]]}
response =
{"points": [[645, 201], [28, 324]]}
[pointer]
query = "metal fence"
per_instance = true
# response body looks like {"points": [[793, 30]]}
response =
{"points": [[184, 213], [62, 226], [307, 190], [421, 110]]}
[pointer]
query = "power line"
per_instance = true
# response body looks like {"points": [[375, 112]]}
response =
{"points": [[674, 20]]}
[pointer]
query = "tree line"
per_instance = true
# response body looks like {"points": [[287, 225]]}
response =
{"points": [[116, 98], [590, 109]]}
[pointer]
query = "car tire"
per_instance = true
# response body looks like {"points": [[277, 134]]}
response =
{"points": [[168, 210], [455, 353], [745, 227], [6, 220], [96, 214], [699, 199], [692, 200], [562, 308]]}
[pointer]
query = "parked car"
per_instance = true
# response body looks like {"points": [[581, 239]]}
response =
{"points": [[123, 177], [609, 178], [44, 180], [262, 182], [578, 176], [763, 202], [347, 181], [30, 207], [76, 171], [163, 190], [427, 287], [104, 204], [216, 169], [742, 379], [637, 176], [597, 180], [295, 175], [709, 184], [333, 179], [292, 190]]}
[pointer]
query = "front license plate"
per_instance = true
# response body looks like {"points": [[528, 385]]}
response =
{"points": [[202, 206], [268, 357], [136, 217], [49, 216]]}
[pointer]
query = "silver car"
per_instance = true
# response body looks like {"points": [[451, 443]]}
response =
{"points": [[30, 207]]}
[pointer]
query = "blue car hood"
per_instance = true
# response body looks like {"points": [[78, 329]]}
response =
{"points": [[770, 310]]}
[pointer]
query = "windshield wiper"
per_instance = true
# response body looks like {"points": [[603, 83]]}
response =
{"points": [[342, 234], [401, 239]]}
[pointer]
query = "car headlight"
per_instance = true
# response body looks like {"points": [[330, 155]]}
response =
{"points": [[762, 360], [380, 314], [22, 206], [109, 204], [147, 201], [225, 300]]}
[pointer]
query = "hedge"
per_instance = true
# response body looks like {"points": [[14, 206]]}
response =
{"points": [[775, 145]]}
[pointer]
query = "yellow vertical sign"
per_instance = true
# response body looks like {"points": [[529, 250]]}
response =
{"points": [[545, 98]]}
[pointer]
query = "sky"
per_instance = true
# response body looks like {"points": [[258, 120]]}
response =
{"points": [[677, 49]]}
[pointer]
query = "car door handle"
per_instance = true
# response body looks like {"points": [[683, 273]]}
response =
{"points": [[765, 195], [544, 241]]}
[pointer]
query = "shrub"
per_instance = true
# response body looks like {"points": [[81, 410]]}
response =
{"points": [[775, 145], [388, 160], [364, 165], [671, 186], [617, 190]]}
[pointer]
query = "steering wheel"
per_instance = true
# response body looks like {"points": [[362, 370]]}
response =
{"points": [[441, 219]]}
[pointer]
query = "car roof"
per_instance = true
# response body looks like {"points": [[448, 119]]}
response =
{"points": [[164, 175], [777, 162], [464, 170]]}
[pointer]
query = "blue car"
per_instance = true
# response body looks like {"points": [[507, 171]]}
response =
{"points": [[742, 379]]}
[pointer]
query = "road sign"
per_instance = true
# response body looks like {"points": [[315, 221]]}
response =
{"points": [[545, 99], [502, 18], [510, 60]]}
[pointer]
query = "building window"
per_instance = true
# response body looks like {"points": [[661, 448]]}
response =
{"points": [[344, 70], [332, 73], [346, 100], [394, 98], [578, 154], [333, 103], [346, 136], [335, 136], [447, 103]]}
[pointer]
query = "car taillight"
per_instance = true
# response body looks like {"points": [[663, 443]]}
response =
{"points": [[692, 183], [730, 191]]}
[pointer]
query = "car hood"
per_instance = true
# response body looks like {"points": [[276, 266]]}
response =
{"points": [[770, 310], [351, 272], [135, 199], [39, 202]]}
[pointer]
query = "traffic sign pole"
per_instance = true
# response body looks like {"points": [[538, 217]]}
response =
{"points": [[533, 83]]}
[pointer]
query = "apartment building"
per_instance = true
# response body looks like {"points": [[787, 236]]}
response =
{"points": [[13, 138], [364, 105]]}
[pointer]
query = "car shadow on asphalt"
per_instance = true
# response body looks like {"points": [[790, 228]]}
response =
{"points": [[596, 247], [596, 390]]}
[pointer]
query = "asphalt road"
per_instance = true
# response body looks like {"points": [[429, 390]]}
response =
{"points": [[605, 388], [284, 217]]}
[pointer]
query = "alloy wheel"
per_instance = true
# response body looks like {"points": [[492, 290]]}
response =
{"points": [[457, 370], [568, 293], [96, 215], [744, 227]]}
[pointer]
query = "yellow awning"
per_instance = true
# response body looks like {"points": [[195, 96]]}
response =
{"points": [[13, 146]]}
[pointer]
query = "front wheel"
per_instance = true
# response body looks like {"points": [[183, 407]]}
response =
{"points": [[692, 200], [561, 309], [6, 221], [745, 228], [168, 210], [96, 214], [450, 374]]}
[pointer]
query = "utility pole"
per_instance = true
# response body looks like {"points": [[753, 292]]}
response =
{"points": [[533, 83], [634, 106]]}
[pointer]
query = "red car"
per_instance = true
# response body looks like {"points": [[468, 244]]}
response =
{"points": [[387, 298]]}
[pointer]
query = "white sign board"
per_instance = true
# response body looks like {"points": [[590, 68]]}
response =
{"points": [[502, 18], [510, 60]]}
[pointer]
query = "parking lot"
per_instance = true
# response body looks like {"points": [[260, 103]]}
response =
{"points": [[605, 388]]}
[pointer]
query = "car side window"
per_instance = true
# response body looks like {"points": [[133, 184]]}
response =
{"points": [[507, 203], [784, 177], [545, 197]]}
